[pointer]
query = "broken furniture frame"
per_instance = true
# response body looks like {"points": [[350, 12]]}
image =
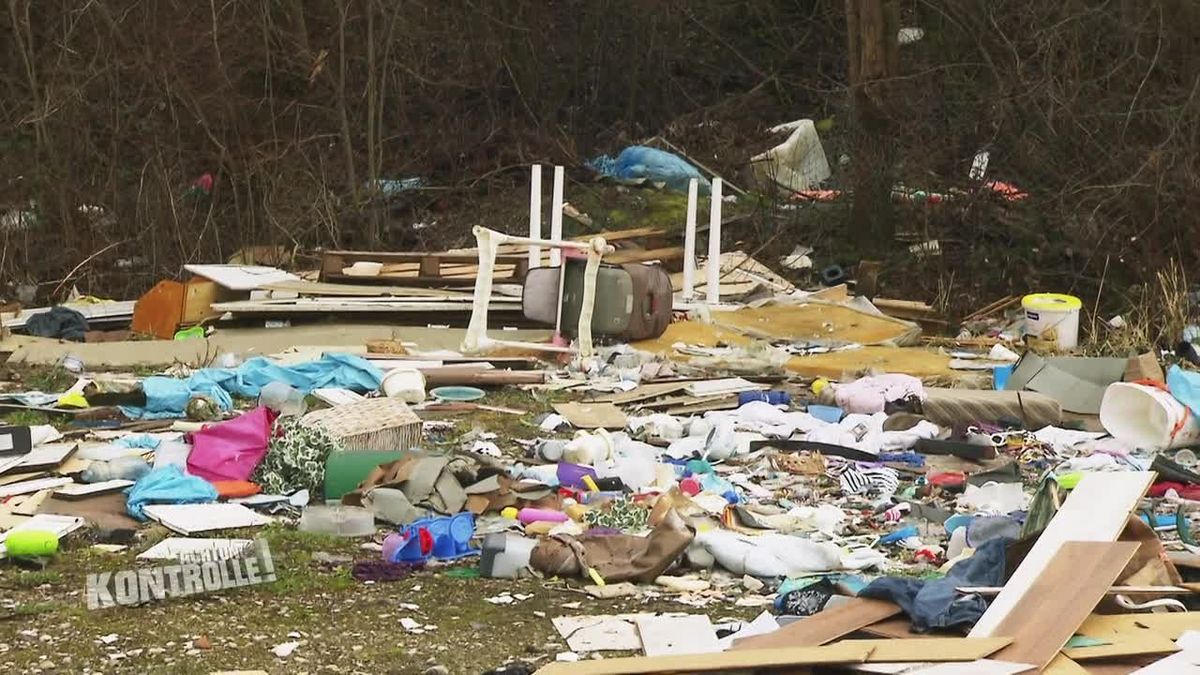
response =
{"points": [[476, 340]]}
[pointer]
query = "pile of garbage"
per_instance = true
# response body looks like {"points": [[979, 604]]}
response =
{"points": [[781, 447]]}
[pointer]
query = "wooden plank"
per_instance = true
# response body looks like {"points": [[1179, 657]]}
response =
{"points": [[824, 626], [1061, 598], [750, 659], [898, 629], [1062, 665], [592, 415], [1096, 510], [1170, 625], [642, 392], [1132, 642], [927, 649]]}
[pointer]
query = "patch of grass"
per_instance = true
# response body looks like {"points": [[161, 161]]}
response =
{"points": [[26, 418], [33, 579], [49, 379], [34, 608]]}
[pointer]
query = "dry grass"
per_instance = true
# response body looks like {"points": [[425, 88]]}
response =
{"points": [[1155, 316]]}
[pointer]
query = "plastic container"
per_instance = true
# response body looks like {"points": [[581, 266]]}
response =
{"points": [[772, 397], [531, 515], [283, 398], [340, 521], [406, 384], [505, 556], [1000, 375], [1147, 417], [172, 453], [31, 543], [1053, 313], [571, 475]]}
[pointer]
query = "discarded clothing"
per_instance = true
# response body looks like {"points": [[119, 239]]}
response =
{"points": [[614, 557], [296, 458], [638, 162], [871, 395], [805, 601], [168, 397], [936, 604], [1185, 386], [167, 485], [769, 555], [861, 479], [60, 322]]}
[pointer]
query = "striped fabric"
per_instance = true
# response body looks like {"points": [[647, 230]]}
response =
{"points": [[862, 479]]}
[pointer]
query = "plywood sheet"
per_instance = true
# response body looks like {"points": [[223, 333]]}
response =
{"points": [[939, 649], [592, 415], [1096, 511], [1170, 625], [1060, 598], [698, 663], [1123, 642], [824, 626]]}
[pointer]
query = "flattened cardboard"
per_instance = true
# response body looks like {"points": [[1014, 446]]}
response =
{"points": [[592, 415], [1076, 382]]}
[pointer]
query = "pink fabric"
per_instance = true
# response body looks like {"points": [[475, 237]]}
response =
{"points": [[231, 450], [868, 395]]}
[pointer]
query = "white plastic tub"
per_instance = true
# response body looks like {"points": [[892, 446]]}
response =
{"points": [[1147, 417], [1054, 315]]}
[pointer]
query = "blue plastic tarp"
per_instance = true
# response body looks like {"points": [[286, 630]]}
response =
{"points": [[167, 485], [167, 397], [638, 161]]}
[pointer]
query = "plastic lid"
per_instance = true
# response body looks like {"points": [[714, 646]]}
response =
{"points": [[1051, 302]]}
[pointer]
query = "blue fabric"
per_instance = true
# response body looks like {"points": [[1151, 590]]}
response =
{"points": [[935, 604], [167, 397], [1185, 386], [167, 485], [639, 161], [145, 441]]}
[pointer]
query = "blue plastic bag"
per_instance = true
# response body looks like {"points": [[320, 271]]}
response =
{"points": [[639, 161], [167, 485], [1185, 386]]}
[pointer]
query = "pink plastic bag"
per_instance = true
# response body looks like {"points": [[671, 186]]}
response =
{"points": [[231, 450]]}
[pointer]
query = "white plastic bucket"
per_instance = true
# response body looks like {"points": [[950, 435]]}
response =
{"points": [[1147, 417], [1054, 314], [405, 384]]}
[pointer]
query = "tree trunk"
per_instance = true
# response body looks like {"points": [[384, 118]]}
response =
{"points": [[871, 38]]}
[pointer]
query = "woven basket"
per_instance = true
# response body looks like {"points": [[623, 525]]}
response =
{"points": [[370, 424]]}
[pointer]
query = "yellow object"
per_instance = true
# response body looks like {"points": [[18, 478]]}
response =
{"points": [[596, 577], [1068, 481], [72, 399], [591, 483], [819, 385], [509, 512], [1051, 302], [576, 511]]}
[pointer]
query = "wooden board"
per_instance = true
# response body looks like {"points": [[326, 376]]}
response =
{"points": [[1062, 665], [1131, 642], [642, 393], [1096, 510], [1061, 598], [899, 628], [824, 626], [750, 659], [1170, 625], [592, 415], [937, 649]]}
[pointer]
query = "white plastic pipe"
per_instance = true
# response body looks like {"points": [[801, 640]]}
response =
{"points": [[689, 241], [556, 215], [714, 245], [535, 215]]}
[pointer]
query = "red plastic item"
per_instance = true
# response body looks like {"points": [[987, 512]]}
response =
{"points": [[948, 479], [689, 486]]}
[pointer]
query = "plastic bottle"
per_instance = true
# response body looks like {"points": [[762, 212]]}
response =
{"points": [[123, 468], [283, 398]]}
